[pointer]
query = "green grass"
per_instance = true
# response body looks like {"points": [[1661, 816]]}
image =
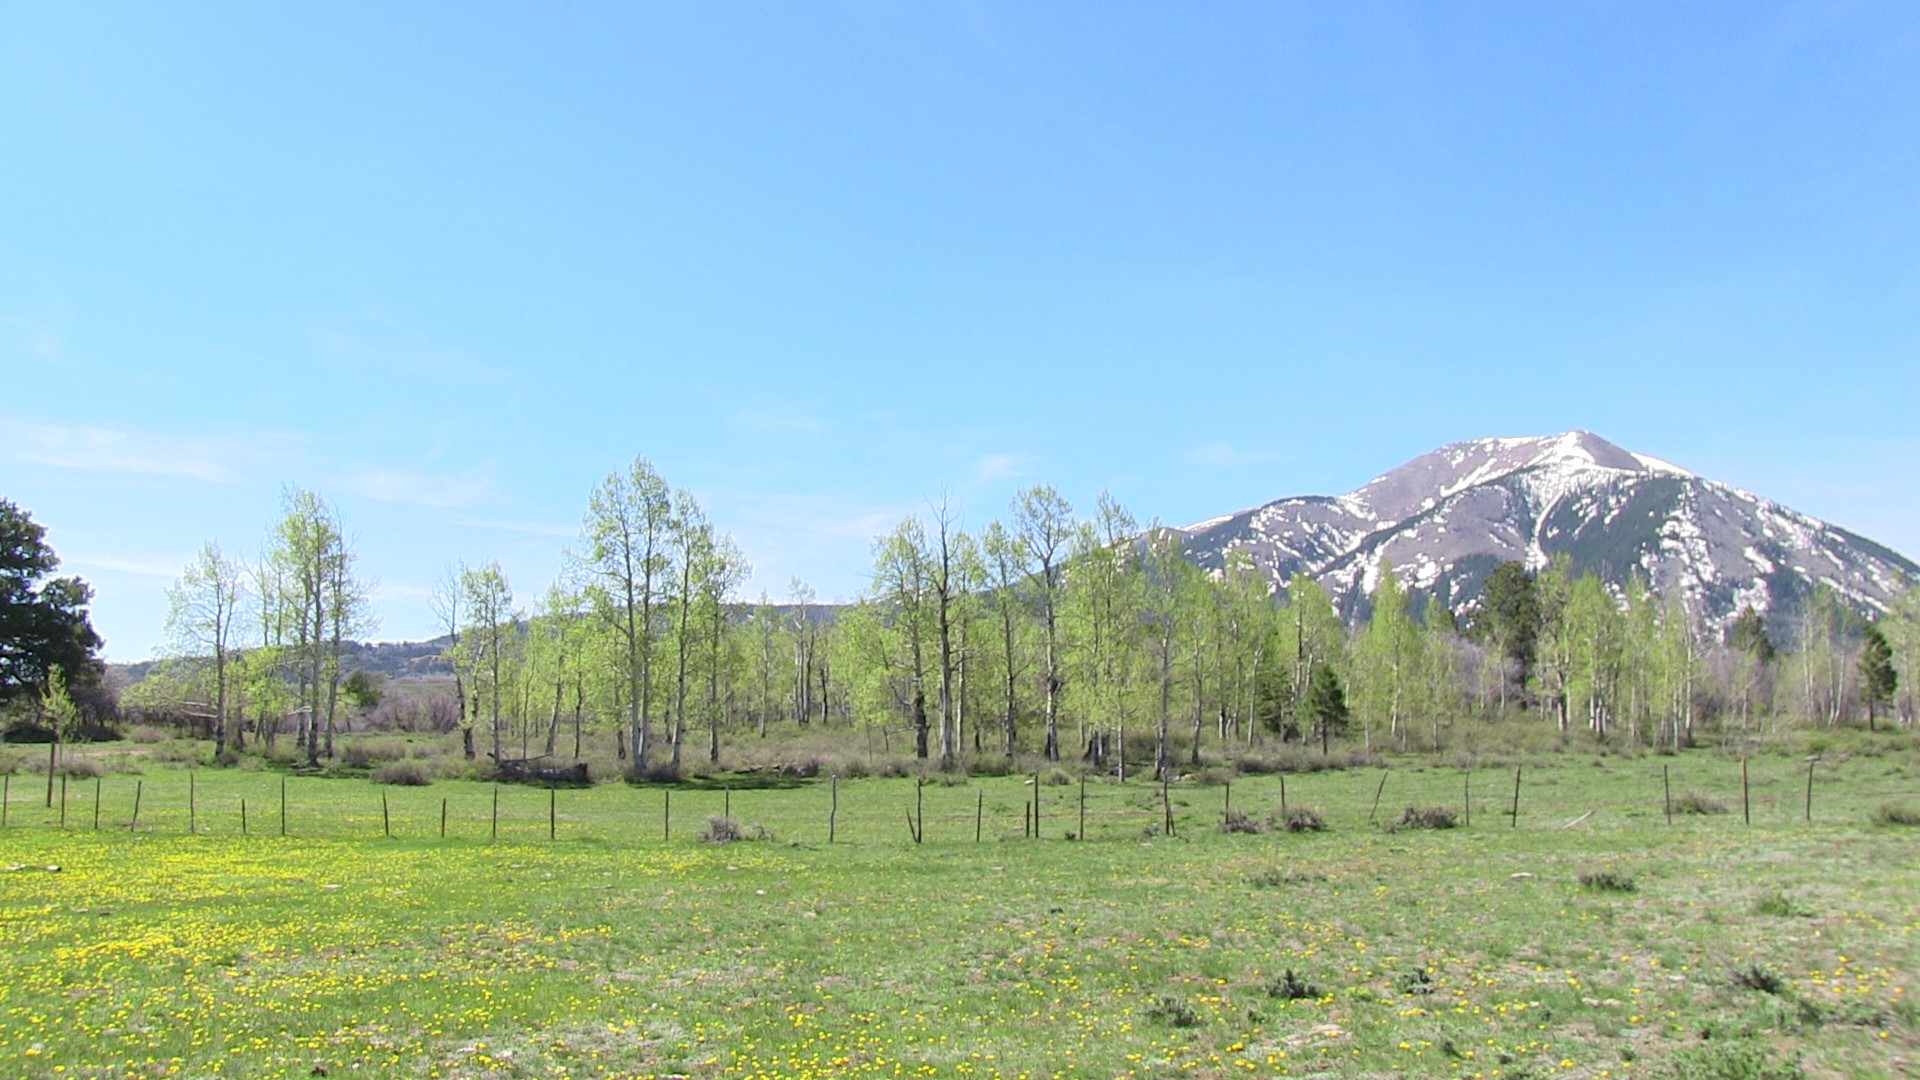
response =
{"points": [[610, 951]]}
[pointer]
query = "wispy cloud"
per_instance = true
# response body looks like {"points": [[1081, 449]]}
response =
{"points": [[419, 489], [155, 568], [123, 450], [996, 467], [1219, 454]]}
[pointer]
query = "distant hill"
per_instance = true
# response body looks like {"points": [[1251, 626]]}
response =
{"points": [[1446, 519], [396, 660]]}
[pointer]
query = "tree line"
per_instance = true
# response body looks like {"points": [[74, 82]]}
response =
{"points": [[1045, 633]]}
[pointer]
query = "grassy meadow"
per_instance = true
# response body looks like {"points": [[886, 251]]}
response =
{"points": [[1588, 937]]}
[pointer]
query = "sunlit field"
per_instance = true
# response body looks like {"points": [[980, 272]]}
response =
{"points": [[593, 932]]}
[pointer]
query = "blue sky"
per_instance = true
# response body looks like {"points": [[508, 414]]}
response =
{"points": [[451, 264]]}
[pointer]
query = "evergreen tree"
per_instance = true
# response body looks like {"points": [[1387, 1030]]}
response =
{"points": [[1325, 705], [1509, 619], [1877, 677]]}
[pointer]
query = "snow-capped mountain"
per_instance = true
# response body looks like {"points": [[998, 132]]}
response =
{"points": [[1446, 519]]}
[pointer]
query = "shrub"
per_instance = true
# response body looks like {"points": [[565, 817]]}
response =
{"points": [[1896, 814], [657, 772], [990, 765], [721, 830], [1173, 1012], [405, 773], [366, 753], [853, 769], [1698, 802], [81, 768], [11, 762], [147, 734], [1215, 775], [1414, 981], [1056, 777], [1289, 986], [955, 777], [1303, 819], [1754, 975], [1239, 821], [284, 752], [181, 751], [1608, 881], [1433, 817]]}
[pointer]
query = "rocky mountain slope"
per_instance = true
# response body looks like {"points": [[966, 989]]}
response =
{"points": [[1446, 519]]}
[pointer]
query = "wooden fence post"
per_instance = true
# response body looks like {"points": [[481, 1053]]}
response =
{"points": [[1810, 763], [283, 804], [386, 819], [1036, 806], [1666, 782], [139, 786], [1515, 814], [1166, 806], [979, 812], [1082, 834], [1377, 792], [553, 812], [96, 804], [833, 809], [1746, 804], [243, 817], [443, 817]]}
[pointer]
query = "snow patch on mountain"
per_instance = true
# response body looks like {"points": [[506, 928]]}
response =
{"points": [[1445, 519]]}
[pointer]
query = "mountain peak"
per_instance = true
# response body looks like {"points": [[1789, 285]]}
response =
{"points": [[1447, 518]]}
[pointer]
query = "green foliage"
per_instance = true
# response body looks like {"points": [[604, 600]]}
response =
{"points": [[1509, 613], [364, 690], [1878, 679], [1325, 705], [43, 619]]}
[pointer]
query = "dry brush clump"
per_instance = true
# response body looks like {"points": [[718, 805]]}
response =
{"points": [[1239, 821], [1698, 802], [1608, 881], [1896, 814], [1431, 817], [721, 829], [1291, 986], [1300, 819]]}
